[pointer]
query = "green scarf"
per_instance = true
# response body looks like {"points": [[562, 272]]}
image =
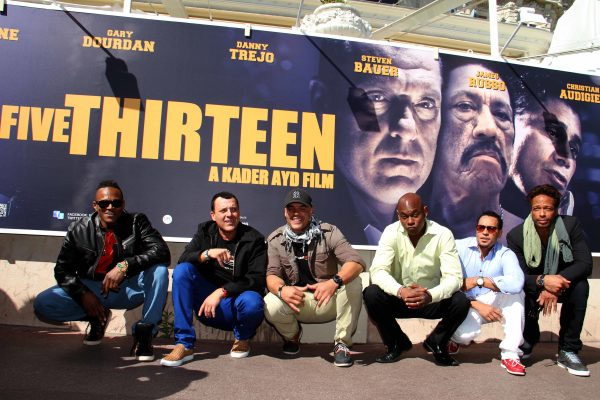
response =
{"points": [[558, 242]]}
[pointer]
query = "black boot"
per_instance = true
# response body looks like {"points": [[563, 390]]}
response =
{"points": [[142, 342]]}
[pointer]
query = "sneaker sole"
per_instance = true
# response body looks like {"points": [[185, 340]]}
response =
{"points": [[177, 363], [291, 353], [512, 372], [145, 358], [237, 354], [92, 342], [573, 371], [346, 364]]}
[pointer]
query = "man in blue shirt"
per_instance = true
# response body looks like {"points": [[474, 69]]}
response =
{"points": [[493, 281]]}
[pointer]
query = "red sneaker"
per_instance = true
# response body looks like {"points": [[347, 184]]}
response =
{"points": [[453, 347], [513, 366]]}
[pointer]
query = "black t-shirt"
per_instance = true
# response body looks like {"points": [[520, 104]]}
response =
{"points": [[226, 271], [304, 275]]}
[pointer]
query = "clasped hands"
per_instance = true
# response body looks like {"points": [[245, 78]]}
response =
{"points": [[414, 296], [322, 292], [554, 286]]}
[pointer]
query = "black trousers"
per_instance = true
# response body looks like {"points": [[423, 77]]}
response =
{"points": [[383, 310], [572, 314]]}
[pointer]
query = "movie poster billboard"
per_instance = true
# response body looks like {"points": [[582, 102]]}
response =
{"points": [[177, 111]]}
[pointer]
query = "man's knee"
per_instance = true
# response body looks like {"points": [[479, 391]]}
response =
{"points": [[461, 302], [250, 302], [273, 305], [579, 292], [372, 295], [182, 272], [40, 304]]}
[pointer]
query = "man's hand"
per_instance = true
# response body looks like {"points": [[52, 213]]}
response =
{"points": [[210, 304], [112, 281], [415, 296], [547, 301], [323, 291], [221, 255], [93, 307], [487, 312], [293, 296], [556, 284]]}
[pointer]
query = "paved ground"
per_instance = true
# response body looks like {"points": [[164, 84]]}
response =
{"points": [[50, 364]]}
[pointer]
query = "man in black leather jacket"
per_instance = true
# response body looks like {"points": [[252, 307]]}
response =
{"points": [[111, 259]]}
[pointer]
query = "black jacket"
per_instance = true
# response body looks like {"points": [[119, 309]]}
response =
{"points": [[138, 243], [580, 268], [250, 258]]}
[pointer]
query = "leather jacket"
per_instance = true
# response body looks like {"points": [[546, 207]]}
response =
{"points": [[138, 243]]}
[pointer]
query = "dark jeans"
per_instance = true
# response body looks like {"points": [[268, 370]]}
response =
{"points": [[572, 314], [383, 310]]}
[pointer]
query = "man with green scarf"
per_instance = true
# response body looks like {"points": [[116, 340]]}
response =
{"points": [[304, 282], [556, 260]]}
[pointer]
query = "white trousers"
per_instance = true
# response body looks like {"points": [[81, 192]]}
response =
{"points": [[513, 312]]}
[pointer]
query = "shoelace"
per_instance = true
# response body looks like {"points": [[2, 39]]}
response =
{"points": [[514, 363], [340, 347], [574, 358]]}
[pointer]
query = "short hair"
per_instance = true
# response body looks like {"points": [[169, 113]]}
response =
{"points": [[547, 190], [493, 214], [225, 195], [109, 183]]}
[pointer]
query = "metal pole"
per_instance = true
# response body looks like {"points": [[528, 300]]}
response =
{"points": [[298, 15], [493, 17]]}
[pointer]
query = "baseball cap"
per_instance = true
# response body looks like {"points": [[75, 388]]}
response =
{"points": [[298, 196]]}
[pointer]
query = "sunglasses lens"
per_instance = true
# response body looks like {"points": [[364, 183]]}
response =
{"points": [[481, 228], [105, 203]]}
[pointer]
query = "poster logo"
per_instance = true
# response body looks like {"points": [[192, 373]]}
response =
{"points": [[58, 214]]}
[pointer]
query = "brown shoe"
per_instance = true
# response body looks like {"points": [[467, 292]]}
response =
{"points": [[240, 349], [177, 356]]}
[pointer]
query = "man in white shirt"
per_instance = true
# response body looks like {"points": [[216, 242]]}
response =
{"points": [[493, 281]]}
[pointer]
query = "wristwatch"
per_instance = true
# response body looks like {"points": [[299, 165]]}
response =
{"points": [[338, 280], [206, 256], [539, 282], [480, 282]]}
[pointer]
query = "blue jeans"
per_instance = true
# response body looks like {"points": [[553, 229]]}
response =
{"points": [[242, 314], [149, 287]]}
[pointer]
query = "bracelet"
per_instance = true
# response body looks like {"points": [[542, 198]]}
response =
{"points": [[279, 290], [206, 256], [122, 267]]}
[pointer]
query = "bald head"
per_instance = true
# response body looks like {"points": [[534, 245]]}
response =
{"points": [[412, 214]]}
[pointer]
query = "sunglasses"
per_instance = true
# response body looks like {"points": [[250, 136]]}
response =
{"points": [[116, 203], [490, 229]]}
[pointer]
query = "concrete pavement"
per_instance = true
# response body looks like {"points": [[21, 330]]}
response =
{"points": [[41, 363]]}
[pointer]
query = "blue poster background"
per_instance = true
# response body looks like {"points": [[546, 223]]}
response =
{"points": [[44, 187]]}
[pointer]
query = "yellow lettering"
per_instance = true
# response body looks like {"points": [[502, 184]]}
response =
{"points": [[8, 119], [23, 124], [320, 142], [151, 136], [41, 121], [82, 107], [114, 124], [281, 137], [61, 124], [222, 116], [213, 174], [183, 122], [250, 135]]}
